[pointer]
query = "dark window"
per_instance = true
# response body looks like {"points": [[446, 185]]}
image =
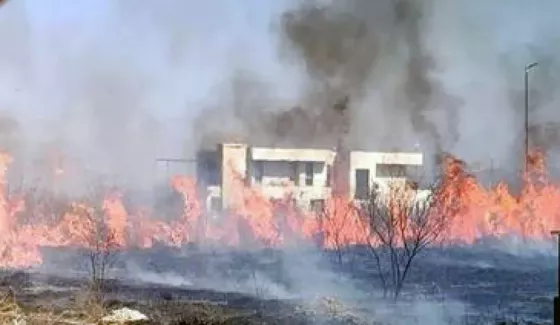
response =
{"points": [[216, 204], [329, 175], [390, 170], [208, 168], [318, 206], [294, 177], [362, 184], [309, 174], [259, 171]]}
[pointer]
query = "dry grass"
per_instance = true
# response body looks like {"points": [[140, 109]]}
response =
{"points": [[332, 309], [85, 308], [88, 306], [12, 313]]}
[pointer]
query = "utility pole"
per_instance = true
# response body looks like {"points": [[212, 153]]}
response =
{"points": [[528, 68], [557, 297]]}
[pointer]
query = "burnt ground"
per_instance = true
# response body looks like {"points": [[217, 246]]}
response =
{"points": [[37, 293], [216, 286], [488, 279]]}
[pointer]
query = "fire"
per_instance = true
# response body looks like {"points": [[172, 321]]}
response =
{"points": [[473, 211], [478, 212]]}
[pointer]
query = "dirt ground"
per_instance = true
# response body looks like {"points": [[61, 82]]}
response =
{"points": [[31, 299]]}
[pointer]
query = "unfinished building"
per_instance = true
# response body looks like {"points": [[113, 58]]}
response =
{"points": [[311, 175]]}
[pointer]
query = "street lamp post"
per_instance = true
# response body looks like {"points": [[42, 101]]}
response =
{"points": [[528, 68], [557, 298]]}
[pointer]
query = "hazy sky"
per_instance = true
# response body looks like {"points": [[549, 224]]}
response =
{"points": [[162, 62], [169, 60], [187, 48]]}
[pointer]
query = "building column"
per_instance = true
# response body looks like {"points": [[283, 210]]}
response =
{"points": [[234, 167]]}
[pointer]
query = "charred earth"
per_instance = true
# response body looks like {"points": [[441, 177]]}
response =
{"points": [[194, 285]]}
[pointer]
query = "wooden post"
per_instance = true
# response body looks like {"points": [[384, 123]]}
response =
{"points": [[556, 310], [557, 298]]}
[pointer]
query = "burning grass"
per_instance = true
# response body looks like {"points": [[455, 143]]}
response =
{"points": [[470, 212], [458, 210]]}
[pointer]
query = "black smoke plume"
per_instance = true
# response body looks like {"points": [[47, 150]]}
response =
{"points": [[345, 50]]}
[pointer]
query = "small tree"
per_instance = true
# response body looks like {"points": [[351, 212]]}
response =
{"points": [[100, 247], [338, 224], [401, 221]]}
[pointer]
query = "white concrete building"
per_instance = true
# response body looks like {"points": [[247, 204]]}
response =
{"points": [[376, 170], [307, 173]]}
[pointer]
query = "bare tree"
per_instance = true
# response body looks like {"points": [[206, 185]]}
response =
{"points": [[401, 221], [101, 248], [338, 224]]}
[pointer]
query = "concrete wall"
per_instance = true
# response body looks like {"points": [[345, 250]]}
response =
{"points": [[283, 154], [274, 173], [213, 193], [279, 176], [233, 164], [280, 166], [371, 160]]}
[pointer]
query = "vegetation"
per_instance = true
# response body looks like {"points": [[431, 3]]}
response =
{"points": [[197, 312], [401, 221]]}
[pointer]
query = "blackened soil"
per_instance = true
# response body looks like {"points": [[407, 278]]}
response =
{"points": [[163, 305]]}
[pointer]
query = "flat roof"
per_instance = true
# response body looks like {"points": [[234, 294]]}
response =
{"points": [[291, 154], [302, 146]]}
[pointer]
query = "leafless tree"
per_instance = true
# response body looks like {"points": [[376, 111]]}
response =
{"points": [[336, 217], [101, 249], [401, 221]]}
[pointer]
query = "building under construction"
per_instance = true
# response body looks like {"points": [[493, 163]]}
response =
{"points": [[311, 174]]}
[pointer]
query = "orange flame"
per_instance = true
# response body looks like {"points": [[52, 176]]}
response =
{"points": [[473, 210]]}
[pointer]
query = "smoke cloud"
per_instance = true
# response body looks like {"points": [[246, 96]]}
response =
{"points": [[99, 85], [363, 64], [434, 76], [133, 81], [107, 87]]}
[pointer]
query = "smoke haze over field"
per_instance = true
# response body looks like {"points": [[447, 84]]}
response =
{"points": [[112, 85], [444, 76], [118, 84]]}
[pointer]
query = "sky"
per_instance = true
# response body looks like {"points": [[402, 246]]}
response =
{"points": [[118, 83], [84, 70], [179, 52], [206, 36]]}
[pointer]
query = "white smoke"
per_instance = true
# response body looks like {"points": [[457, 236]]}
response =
{"points": [[114, 85]]}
